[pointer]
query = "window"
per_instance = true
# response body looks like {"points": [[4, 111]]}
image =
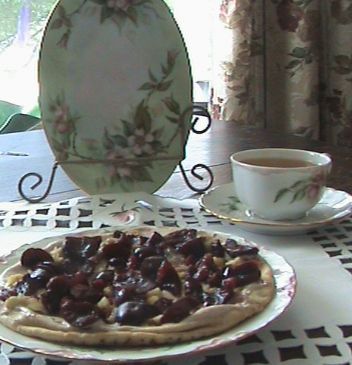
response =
{"points": [[22, 23]]}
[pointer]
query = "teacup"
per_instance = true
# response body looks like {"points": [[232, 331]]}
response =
{"points": [[278, 183]]}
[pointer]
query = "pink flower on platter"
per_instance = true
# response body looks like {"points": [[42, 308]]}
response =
{"points": [[140, 142], [62, 120]]}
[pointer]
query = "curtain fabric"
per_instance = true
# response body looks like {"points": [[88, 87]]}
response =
{"points": [[290, 67]]}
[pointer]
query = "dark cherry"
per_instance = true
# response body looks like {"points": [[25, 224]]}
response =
{"points": [[52, 267], [28, 286], [167, 278], [78, 313], [248, 278], [122, 295], [246, 273], [155, 239], [214, 279], [144, 286], [40, 277], [162, 304], [57, 288], [118, 263], [6, 293], [150, 266], [234, 250], [79, 277], [192, 247], [117, 234], [230, 284], [33, 256], [51, 301], [86, 293], [217, 249], [180, 236], [59, 284], [71, 266], [107, 276], [141, 253], [202, 274], [228, 272], [193, 287], [121, 249], [179, 309], [208, 262], [81, 248], [246, 268], [134, 313]]}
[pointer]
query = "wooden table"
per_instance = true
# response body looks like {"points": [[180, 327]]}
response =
{"points": [[212, 148], [315, 329]]}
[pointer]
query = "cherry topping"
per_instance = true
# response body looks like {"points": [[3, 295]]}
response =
{"points": [[121, 249], [179, 310], [6, 293], [233, 249], [180, 236], [194, 247], [33, 256], [217, 249], [167, 278], [107, 276], [193, 287], [81, 248], [134, 313], [150, 266], [155, 239], [78, 313]]}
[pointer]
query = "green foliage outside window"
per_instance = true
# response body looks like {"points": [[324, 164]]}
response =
{"points": [[9, 12]]}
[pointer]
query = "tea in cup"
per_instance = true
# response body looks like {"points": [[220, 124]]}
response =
{"points": [[279, 183]]}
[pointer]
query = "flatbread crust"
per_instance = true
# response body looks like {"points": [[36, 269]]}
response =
{"points": [[19, 314]]}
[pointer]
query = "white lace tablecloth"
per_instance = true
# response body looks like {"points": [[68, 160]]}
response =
{"points": [[315, 330]]}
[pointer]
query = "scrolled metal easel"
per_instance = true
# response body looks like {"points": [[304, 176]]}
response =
{"points": [[198, 112]]}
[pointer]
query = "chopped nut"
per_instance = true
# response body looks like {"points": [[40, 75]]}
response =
{"points": [[56, 254], [21, 301], [153, 299], [219, 262], [166, 294], [109, 240], [12, 280], [104, 305], [107, 291], [154, 292]]}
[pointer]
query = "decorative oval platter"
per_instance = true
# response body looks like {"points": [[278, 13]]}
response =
{"points": [[115, 93], [285, 282]]}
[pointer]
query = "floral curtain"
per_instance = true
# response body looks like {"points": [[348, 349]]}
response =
{"points": [[290, 67]]}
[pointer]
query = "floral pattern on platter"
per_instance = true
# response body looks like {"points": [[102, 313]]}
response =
{"points": [[128, 154], [301, 189], [118, 11]]}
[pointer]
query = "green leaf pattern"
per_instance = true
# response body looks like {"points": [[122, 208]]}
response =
{"points": [[302, 189], [127, 154], [120, 12]]}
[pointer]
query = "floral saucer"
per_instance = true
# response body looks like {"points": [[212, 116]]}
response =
{"points": [[223, 203]]}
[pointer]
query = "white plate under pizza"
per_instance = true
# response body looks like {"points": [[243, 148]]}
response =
{"points": [[143, 293]]}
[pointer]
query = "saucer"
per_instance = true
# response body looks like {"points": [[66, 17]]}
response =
{"points": [[223, 203]]}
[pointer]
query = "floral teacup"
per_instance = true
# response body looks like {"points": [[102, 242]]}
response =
{"points": [[278, 183]]}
